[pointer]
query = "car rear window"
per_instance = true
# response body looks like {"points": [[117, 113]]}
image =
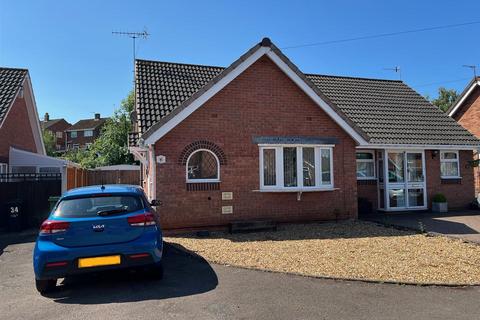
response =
{"points": [[93, 206]]}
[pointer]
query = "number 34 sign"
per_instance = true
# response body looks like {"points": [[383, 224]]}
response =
{"points": [[14, 212]]}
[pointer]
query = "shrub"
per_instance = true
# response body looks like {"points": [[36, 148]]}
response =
{"points": [[439, 198]]}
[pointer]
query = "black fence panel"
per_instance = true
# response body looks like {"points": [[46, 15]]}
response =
{"points": [[33, 191]]}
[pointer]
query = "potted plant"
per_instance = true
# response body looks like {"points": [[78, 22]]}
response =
{"points": [[439, 203]]}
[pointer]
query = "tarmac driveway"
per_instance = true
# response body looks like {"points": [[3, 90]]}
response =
{"points": [[194, 289], [459, 224]]}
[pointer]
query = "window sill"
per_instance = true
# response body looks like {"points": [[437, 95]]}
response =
{"points": [[450, 178], [372, 178], [295, 190]]}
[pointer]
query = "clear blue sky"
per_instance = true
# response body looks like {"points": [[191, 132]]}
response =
{"points": [[78, 67]]}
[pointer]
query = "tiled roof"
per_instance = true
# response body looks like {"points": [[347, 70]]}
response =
{"points": [[385, 111], [87, 124], [11, 81], [133, 138], [163, 86], [49, 123], [390, 112]]}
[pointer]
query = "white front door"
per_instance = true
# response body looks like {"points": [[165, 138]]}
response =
{"points": [[405, 180]]}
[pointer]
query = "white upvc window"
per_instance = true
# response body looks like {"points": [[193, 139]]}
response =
{"points": [[449, 164], [296, 167], [59, 134], [203, 166], [365, 165], [88, 133], [3, 168], [73, 134]]}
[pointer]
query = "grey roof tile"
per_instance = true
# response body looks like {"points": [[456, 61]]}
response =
{"points": [[386, 111], [11, 81], [87, 124]]}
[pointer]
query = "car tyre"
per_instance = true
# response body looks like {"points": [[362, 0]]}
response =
{"points": [[45, 286]]}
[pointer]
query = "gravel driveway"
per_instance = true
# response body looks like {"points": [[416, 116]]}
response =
{"points": [[347, 250]]}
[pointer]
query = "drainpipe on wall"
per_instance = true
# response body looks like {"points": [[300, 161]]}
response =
{"points": [[153, 173]]}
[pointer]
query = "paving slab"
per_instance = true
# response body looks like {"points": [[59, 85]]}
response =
{"points": [[458, 224]]}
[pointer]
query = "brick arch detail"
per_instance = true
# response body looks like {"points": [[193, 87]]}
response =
{"points": [[202, 144]]}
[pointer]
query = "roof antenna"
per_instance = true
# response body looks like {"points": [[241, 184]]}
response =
{"points": [[474, 68], [397, 70], [133, 35]]}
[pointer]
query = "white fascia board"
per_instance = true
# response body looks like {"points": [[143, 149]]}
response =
{"points": [[418, 147], [182, 115], [459, 103], [316, 98], [33, 116]]}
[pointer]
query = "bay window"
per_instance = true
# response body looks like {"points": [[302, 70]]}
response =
{"points": [[296, 167], [449, 164]]}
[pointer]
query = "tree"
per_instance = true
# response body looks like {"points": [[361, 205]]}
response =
{"points": [[111, 147], [49, 142], [446, 97]]}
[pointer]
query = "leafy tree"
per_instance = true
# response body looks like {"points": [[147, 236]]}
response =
{"points": [[446, 97], [49, 142], [111, 147]]}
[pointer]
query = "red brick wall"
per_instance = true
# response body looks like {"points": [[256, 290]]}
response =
{"points": [[16, 130], [262, 101], [469, 117], [469, 114], [81, 140], [368, 189], [460, 193], [60, 126]]}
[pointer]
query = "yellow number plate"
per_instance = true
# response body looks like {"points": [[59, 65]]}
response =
{"points": [[98, 261]]}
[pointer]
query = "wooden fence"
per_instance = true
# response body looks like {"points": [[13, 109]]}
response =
{"points": [[76, 177], [98, 177]]}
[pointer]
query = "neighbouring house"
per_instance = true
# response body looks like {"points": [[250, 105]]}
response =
{"points": [[262, 140], [466, 111], [84, 132], [19, 125], [57, 127]]}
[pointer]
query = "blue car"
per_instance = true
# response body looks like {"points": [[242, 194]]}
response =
{"points": [[98, 228]]}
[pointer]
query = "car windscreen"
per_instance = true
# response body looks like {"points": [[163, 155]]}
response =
{"points": [[98, 206]]}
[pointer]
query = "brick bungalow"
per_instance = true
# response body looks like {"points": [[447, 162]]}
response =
{"points": [[19, 125], [466, 111], [262, 140]]}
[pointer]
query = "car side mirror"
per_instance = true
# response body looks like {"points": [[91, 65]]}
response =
{"points": [[155, 203]]}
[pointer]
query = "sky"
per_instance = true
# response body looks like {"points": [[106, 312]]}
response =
{"points": [[78, 67]]}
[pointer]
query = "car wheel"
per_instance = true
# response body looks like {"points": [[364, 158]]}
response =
{"points": [[45, 286], [157, 271]]}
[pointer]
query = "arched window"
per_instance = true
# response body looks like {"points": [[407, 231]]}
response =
{"points": [[203, 166]]}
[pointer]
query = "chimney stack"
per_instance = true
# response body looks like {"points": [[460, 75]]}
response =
{"points": [[46, 117], [97, 116]]}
